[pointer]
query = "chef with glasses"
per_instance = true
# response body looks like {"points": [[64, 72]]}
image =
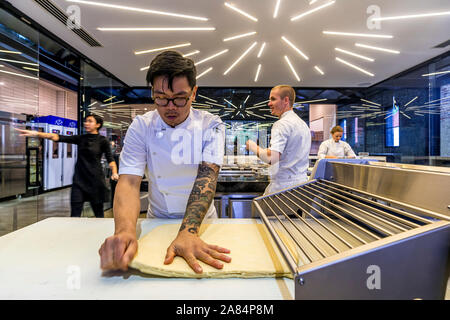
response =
{"points": [[181, 149]]}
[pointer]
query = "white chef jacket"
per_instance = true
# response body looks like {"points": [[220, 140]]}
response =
{"points": [[171, 156], [339, 149], [291, 137]]}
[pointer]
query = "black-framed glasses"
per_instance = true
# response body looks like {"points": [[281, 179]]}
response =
{"points": [[178, 101]]}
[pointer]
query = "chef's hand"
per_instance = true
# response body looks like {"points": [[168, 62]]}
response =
{"points": [[117, 251], [114, 177], [191, 247]]}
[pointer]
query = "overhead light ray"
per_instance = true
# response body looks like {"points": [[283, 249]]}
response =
{"points": [[355, 67], [277, 8], [319, 70], [411, 16], [261, 50], [211, 57], [368, 35], [354, 54], [294, 47], [163, 48], [292, 68], [113, 6], [240, 11], [204, 72], [257, 72], [158, 29], [243, 35], [376, 48], [312, 11], [240, 58]]}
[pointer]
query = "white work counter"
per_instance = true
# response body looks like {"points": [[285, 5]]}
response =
{"points": [[57, 258]]}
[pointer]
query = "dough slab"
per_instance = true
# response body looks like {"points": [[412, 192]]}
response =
{"points": [[254, 254]]}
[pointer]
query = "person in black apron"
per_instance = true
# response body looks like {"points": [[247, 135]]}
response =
{"points": [[88, 179]]}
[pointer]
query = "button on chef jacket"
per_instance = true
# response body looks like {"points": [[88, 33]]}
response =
{"points": [[171, 157], [339, 149], [291, 137]]}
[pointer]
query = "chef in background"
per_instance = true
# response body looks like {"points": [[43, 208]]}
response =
{"points": [[290, 142], [335, 148]]}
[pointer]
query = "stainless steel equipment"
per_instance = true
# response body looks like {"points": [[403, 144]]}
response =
{"points": [[12, 155], [364, 232]]}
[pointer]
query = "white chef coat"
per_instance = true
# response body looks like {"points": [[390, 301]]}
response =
{"points": [[291, 137], [171, 156], [339, 149]]}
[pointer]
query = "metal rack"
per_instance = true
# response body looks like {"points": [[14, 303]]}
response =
{"points": [[331, 233]]}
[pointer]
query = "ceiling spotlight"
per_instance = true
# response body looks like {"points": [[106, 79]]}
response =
{"points": [[277, 7], [113, 6], [295, 48], [240, 11], [240, 36], [292, 68], [257, 72], [212, 57], [191, 53], [423, 15], [261, 50], [312, 10], [157, 29], [354, 54], [164, 48], [368, 35], [355, 67], [240, 58], [319, 70], [376, 48], [204, 72]]}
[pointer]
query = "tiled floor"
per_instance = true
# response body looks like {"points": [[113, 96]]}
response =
{"points": [[16, 214]]}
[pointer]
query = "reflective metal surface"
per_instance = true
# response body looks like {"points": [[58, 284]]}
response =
{"points": [[351, 237], [12, 155]]}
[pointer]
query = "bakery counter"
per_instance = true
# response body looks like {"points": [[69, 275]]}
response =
{"points": [[57, 258]]}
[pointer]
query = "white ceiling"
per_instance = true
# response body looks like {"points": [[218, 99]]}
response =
{"points": [[414, 38]]}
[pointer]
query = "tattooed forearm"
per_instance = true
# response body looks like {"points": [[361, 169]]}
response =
{"points": [[201, 196]]}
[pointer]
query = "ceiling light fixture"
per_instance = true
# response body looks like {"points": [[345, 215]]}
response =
{"points": [[164, 48], [240, 11], [310, 101], [11, 52], [20, 75], [421, 15], [204, 72], [294, 47], [230, 104], [354, 54], [257, 72], [191, 53], [435, 73], [157, 29], [355, 67], [113, 6], [211, 57], [292, 68], [319, 70], [145, 68], [21, 62], [411, 101], [240, 36], [32, 69], [109, 99], [206, 98], [368, 35], [371, 102], [376, 48], [312, 10], [240, 58], [261, 50], [277, 7], [312, 2]]}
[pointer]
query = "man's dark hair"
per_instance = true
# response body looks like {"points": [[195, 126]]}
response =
{"points": [[97, 118], [172, 64]]}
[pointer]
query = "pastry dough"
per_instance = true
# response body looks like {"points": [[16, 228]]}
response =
{"points": [[254, 254]]}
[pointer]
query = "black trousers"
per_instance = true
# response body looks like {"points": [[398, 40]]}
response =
{"points": [[77, 199]]}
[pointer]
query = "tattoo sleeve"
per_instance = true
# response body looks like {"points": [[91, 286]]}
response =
{"points": [[201, 196]]}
